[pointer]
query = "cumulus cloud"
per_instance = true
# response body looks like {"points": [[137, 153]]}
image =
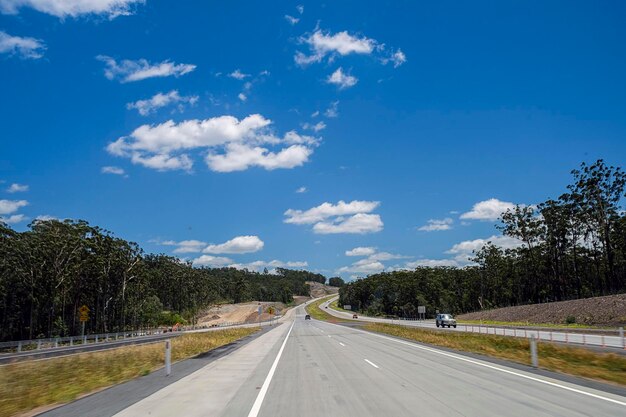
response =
{"points": [[341, 79], [322, 44], [271, 265], [72, 8], [230, 144], [186, 246], [397, 58], [23, 47], [112, 170], [239, 244], [11, 206], [363, 266], [300, 8], [13, 219], [437, 225], [490, 209], [45, 218], [432, 263], [159, 100], [129, 70], [328, 218], [242, 97], [301, 190], [464, 251], [238, 75], [361, 251], [212, 261], [17, 188]]}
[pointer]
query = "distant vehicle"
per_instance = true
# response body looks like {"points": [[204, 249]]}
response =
{"points": [[354, 316], [326, 307], [444, 320], [307, 317]]}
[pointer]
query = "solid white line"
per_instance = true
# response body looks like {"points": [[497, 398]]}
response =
{"points": [[371, 363], [495, 368], [341, 344], [256, 407]]}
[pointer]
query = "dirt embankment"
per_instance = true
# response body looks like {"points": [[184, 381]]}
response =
{"points": [[596, 311], [320, 290], [237, 313]]}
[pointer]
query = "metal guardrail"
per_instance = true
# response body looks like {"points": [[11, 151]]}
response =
{"points": [[18, 346]]}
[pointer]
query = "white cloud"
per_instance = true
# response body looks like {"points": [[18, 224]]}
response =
{"points": [[231, 144], [465, 250], [360, 223], [322, 44], [72, 8], [292, 20], [328, 218], [239, 244], [186, 246], [300, 8], [24, 47], [128, 70], [363, 266], [361, 251], [326, 210], [341, 80], [432, 263], [490, 209], [333, 110], [112, 170], [314, 127], [145, 107], [17, 188], [45, 217], [242, 97], [13, 219], [11, 206], [238, 75], [301, 190], [212, 261], [398, 58], [271, 265], [437, 225], [315, 113]]}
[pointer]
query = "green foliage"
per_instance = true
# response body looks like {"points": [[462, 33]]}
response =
{"points": [[336, 282], [49, 271], [572, 247], [570, 320]]}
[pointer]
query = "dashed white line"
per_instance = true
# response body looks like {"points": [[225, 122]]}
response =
{"points": [[371, 363], [341, 344]]}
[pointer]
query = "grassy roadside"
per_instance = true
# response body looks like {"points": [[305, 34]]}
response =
{"points": [[28, 385], [604, 367], [314, 311], [527, 324], [335, 306]]}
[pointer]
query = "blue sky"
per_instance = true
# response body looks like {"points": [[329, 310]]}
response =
{"points": [[407, 125]]}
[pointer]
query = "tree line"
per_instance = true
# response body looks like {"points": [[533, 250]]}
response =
{"points": [[570, 247], [50, 270]]}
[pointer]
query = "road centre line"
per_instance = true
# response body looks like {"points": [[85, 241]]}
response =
{"points": [[371, 363], [496, 368], [256, 407]]}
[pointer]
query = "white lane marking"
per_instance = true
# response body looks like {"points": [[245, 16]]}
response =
{"points": [[495, 368], [341, 344], [329, 336], [371, 363], [256, 407]]}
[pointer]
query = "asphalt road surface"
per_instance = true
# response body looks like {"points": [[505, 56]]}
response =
{"points": [[312, 368], [557, 335]]}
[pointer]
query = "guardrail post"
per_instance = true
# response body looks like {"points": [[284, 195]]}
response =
{"points": [[168, 357], [96, 339], [621, 336], [38, 344], [19, 346], [56, 342], [84, 340], [71, 341], [533, 351]]}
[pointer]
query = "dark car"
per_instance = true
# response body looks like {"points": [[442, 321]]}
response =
{"points": [[354, 316], [307, 317], [444, 320]]}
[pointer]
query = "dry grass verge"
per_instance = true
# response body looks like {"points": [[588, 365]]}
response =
{"points": [[28, 385], [604, 367]]}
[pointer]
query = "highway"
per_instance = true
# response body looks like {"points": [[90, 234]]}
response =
{"points": [[311, 368], [596, 339]]}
